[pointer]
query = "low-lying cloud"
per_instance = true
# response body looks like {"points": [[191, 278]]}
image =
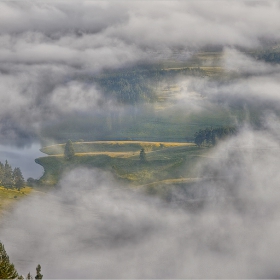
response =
{"points": [[95, 228], [46, 50]]}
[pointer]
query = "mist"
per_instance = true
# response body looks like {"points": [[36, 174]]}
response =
{"points": [[226, 224], [48, 50], [95, 227]]}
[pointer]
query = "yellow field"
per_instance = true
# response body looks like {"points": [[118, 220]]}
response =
{"points": [[142, 143], [123, 149]]}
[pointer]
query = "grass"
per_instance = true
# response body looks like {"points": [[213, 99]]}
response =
{"points": [[107, 147], [8, 197], [165, 161]]}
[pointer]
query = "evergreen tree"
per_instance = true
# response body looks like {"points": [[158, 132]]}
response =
{"points": [[7, 269], [1, 173], [38, 270], [18, 178], [199, 138], [8, 176], [69, 150], [142, 155], [210, 136], [29, 276]]}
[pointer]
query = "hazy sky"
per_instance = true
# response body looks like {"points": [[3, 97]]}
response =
{"points": [[104, 230]]}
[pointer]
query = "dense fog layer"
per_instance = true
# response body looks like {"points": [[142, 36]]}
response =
{"points": [[93, 227], [47, 48], [227, 224]]}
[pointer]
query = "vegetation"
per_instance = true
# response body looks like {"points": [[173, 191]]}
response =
{"points": [[107, 147], [127, 86], [10, 178], [210, 136], [271, 54], [69, 150], [10, 196], [38, 270], [142, 155], [7, 269], [164, 160]]}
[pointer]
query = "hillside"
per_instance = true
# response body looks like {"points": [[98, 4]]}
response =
{"points": [[165, 160], [8, 197]]}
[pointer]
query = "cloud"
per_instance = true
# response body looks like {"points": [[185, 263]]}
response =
{"points": [[245, 84], [95, 228], [43, 46], [245, 65]]}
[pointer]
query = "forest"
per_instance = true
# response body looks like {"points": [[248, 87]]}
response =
{"points": [[140, 84]]}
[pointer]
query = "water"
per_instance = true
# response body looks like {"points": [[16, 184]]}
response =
{"points": [[24, 158]]}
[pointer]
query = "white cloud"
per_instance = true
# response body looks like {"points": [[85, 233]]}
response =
{"points": [[44, 44], [95, 228]]}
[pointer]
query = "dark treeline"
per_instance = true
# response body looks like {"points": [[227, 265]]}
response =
{"points": [[140, 84], [210, 136], [271, 55], [10, 178], [128, 87]]}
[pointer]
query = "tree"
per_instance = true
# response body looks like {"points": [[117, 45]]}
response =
{"points": [[142, 155], [7, 269], [210, 136], [8, 176], [32, 182], [199, 138], [18, 178], [29, 276], [1, 173], [69, 150], [38, 270]]}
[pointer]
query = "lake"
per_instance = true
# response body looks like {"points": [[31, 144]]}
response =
{"points": [[24, 158]]}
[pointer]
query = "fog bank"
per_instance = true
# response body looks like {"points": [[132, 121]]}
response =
{"points": [[95, 228]]}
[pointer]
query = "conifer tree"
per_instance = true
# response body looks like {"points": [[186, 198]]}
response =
{"points": [[1, 173], [142, 155], [38, 270], [8, 176], [69, 150], [7, 269], [18, 178]]}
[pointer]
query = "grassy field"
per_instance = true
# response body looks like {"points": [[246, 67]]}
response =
{"points": [[8, 197], [165, 160], [105, 147]]}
